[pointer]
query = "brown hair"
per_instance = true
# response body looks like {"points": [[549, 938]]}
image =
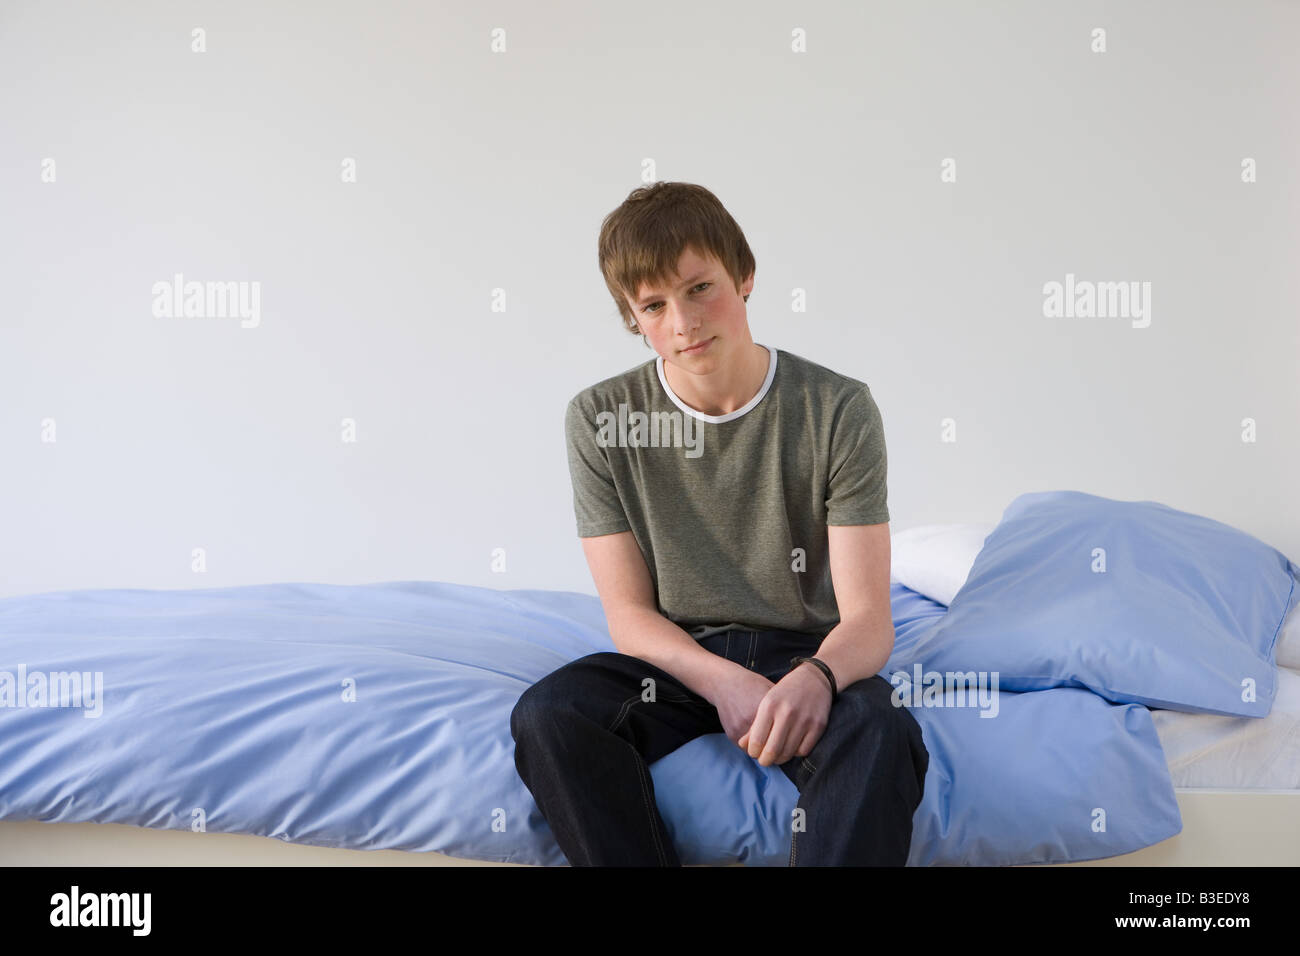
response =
{"points": [[641, 241]]}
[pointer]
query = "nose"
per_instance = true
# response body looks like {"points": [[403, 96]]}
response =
{"points": [[685, 322]]}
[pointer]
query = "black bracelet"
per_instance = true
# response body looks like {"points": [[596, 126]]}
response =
{"points": [[796, 661]]}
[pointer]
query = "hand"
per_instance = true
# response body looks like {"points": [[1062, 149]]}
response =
{"points": [[791, 718], [737, 699]]}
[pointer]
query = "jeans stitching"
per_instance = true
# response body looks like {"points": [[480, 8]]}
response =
{"points": [[649, 807], [793, 853], [726, 651], [627, 706], [646, 798], [753, 638], [623, 712]]}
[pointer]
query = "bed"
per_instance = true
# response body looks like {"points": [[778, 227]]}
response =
{"points": [[368, 724]]}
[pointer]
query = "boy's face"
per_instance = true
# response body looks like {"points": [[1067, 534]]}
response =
{"points": [[700, 305]]}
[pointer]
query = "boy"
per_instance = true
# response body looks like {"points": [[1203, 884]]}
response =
{"points": [[731, 503]]}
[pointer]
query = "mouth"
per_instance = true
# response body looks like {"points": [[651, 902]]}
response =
{"points": [[697, 349]]}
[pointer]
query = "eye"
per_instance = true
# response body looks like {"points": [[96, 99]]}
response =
{"points": [[693, 288]]}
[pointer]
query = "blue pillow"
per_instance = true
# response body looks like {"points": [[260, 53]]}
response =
{"points": [[1058, 777], [1133, 600]]}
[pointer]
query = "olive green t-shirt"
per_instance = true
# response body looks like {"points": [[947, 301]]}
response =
{"points": [[730, 511]]}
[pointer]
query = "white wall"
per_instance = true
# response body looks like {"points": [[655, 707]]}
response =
{"points": [[480, 170]]}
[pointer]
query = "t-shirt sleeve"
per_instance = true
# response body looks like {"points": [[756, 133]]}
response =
{"points": [[856, 490], [596, 504]]}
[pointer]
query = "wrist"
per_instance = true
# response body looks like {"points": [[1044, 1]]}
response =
{"points": [[724, 675], [823, 667], [817, 671]]}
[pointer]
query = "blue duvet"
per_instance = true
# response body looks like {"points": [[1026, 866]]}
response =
{"points": [[377, 717]]}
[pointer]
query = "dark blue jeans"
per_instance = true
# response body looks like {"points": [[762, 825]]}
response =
{"points": [[584, 738]]}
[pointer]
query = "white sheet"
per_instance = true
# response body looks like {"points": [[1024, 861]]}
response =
{"points": [[1236, 753]]}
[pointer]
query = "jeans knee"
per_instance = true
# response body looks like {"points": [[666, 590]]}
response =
{"points": [[873, 697], [871, 707], [912, 747], [556, 694], [523, 714]]}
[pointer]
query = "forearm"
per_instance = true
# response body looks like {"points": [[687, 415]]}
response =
{"points": [[857, 649], [647, 634]]}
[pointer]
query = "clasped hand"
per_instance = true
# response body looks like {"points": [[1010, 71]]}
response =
{"points": [[790, 719]]}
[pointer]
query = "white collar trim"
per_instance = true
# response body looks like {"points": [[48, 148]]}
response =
{"points": [[718, 419]]}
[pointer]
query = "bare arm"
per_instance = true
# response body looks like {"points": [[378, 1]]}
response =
{"points": [[635, 624], [860, 645], [794, 714]]}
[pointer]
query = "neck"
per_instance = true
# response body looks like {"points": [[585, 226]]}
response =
{"points": [[725, 389]]}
